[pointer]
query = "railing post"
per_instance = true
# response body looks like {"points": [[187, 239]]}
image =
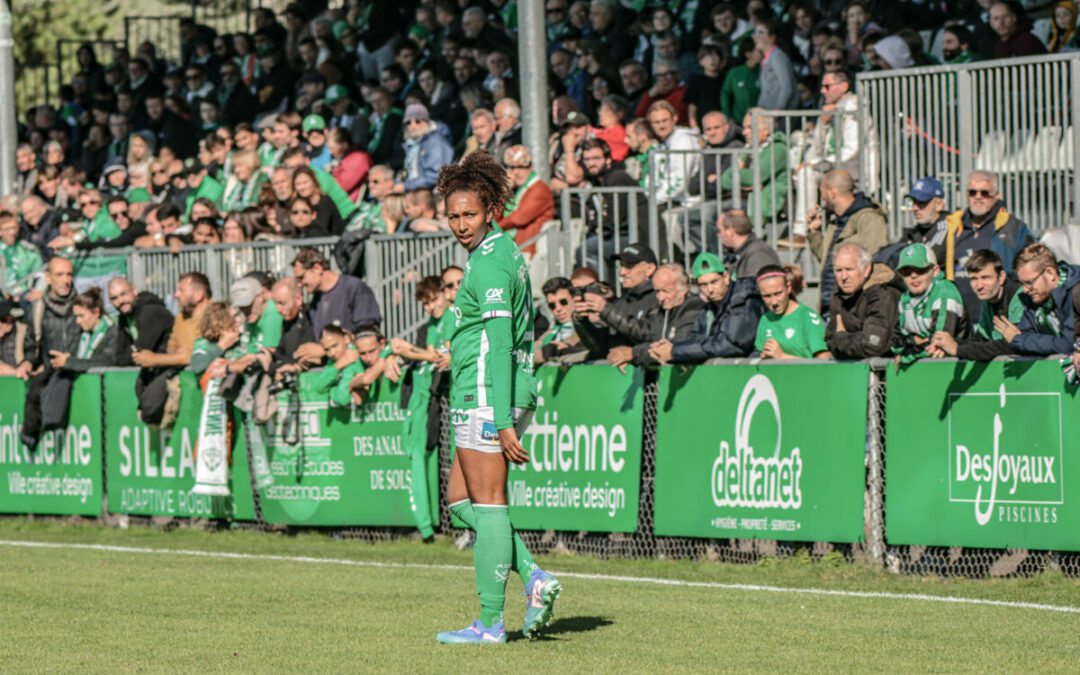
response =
{"points": [[755, 195], [1074, 94], [875, 420], [654, 218], [965, 121]]}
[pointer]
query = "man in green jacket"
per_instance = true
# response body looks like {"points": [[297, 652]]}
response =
{"points": [[22, 261], [772, 158], [201, 185]]}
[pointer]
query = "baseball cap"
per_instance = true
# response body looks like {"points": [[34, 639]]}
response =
{"points": [[335, 93], [636, 253], [193, 166], [9, 309], [918, 256], [114, 164], [139, 196], [313, 122], [244, 292], [926, 189], [575, 119], [706, 263], [417, 112]]}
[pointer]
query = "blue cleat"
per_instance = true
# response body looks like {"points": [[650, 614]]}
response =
{"points": [[542, 591], [474, 634]]}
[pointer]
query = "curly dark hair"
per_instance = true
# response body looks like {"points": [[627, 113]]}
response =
{"points": [[478, 172]]}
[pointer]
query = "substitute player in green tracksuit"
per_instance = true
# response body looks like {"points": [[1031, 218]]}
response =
{"points": [[429, 292], [493, 395], [930, 304]]}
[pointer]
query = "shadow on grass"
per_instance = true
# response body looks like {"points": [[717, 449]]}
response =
{"points": [[572, 624]]}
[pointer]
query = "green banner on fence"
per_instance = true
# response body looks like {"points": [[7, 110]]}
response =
{"points": [[150, 473], [340, 466], [63, 475], [766, 452], [976, 456], [584, 444]]}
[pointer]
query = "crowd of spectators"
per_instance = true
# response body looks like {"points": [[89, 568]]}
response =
{"points": [[322, 122]]}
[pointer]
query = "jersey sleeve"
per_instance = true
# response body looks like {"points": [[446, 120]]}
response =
{"points": [[762, 329], [270, 325], [814, 330], [493, 284]]}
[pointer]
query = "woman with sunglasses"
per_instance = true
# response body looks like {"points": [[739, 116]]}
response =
{"points": [[302, 215], [493, 395]]}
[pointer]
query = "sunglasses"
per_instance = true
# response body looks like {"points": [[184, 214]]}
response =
{"points": [[301, 212], [914, 271], [834, 62], [985, 194], [555, 10], [561, 302], [668, 74], [89, 202], [117, 214]]}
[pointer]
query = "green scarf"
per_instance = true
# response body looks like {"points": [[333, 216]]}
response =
{"points": [[512, 204]]}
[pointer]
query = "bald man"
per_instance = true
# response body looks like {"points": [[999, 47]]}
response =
{"points": [[844, 217], [145, 322], [53, 327], [295, 329]]}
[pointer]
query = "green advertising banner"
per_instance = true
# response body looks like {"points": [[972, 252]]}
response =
{"points": [[762, 451], [340, 466], [584, 445], [976, 456], [150, 472], [63, 475]]}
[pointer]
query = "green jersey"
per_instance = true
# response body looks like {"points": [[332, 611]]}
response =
{"points": [[335, 192], [368, 217], [21, 260], [940, 308], [266, 332], [204, 352], [800, 333], [492, 347], [335, 381], [986, 329]]}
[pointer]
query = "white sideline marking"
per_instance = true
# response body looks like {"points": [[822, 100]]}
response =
{"points": [[573, 575]]}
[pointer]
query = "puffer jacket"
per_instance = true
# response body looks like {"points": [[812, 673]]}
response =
{"points": [[626, 320], [870, 316], [54, 327], [724, 329]]}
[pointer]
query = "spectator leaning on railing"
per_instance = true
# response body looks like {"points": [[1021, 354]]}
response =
{"points": [[789, 330], [930, 305], [726, 327], [632, 314], [679, 312], [1051, 299], [999, 294], [863, 311]]}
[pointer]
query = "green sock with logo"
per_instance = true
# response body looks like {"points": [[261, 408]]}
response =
{"points": [[523, 562], [492, 557]]}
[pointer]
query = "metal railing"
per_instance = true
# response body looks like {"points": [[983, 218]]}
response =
{"points": [[1017, 118]]}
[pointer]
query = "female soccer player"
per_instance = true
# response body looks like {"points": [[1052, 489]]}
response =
{"points": [[493, 395]]}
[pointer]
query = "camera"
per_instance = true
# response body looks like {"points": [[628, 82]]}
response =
{"points": [[287, 381]]}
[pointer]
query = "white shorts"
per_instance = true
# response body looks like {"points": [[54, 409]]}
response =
{"points": [[474, 429]]}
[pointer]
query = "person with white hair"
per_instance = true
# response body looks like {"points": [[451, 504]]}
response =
{"points": [[507, 126]]}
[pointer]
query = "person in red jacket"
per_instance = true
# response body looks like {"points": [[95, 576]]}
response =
{"points": [[666, 87], [350, 165], [532, 204]]}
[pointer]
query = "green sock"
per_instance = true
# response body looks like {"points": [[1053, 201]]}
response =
{"points": [[523, 562], [492, 554]]}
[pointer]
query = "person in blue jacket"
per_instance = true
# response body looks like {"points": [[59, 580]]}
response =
{"points": [[426, 149], [1049, 292], [726, 328]]}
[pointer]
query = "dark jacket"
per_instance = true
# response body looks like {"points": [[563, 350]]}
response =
{"points": [[1056, 334], [980, 347], [714, 165], [633, 314], [103, 356], [751, 257], [240, 105], [174, 132], [601, 210], [870, 315], [293, 334], [863, 222], [48, 228], [671, 324], [53, 326], [725, 329], [152, 323], [1010, 235]]}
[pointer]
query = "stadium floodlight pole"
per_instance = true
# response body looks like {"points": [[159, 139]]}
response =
{"points": [[8, 130], [532, 60]]}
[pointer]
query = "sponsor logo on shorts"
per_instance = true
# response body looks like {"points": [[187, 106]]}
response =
{"points": [[489, 433]]}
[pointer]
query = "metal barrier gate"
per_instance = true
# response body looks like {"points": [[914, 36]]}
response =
{"points": [[1017, 118]]}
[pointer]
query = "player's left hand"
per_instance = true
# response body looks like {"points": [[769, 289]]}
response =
{"points": [[511, 446]]}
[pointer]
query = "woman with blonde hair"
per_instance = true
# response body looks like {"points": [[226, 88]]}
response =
{"points": [[393, 212], [242, 188]]}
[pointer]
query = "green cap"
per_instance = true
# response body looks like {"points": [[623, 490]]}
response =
{"points": [[138, 196], [919, 256], [419, 31], [313, 122], [335, 93], [706, 263]]}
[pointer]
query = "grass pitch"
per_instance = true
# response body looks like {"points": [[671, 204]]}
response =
{"points": [[71, 609]]}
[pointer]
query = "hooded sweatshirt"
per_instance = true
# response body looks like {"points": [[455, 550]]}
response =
{"points": [[1049, 328], [863, 222]]}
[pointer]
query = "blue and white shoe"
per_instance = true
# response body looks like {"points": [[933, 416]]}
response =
{"points": [[474, 634], [542, 591]]}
